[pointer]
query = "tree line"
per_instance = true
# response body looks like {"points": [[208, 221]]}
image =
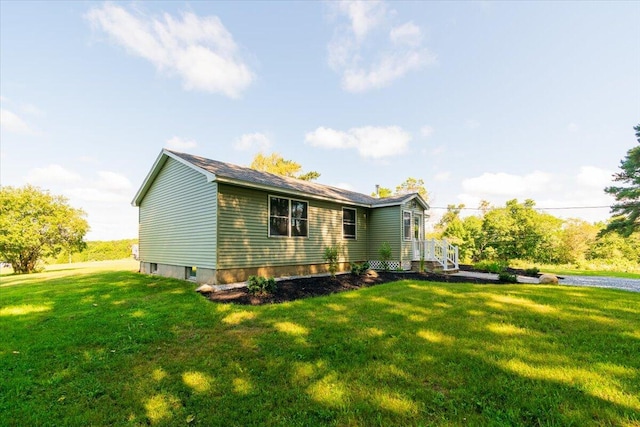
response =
{"points": [[518, 231]]}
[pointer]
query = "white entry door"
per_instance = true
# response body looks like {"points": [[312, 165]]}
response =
{"points": [[418, 234]]}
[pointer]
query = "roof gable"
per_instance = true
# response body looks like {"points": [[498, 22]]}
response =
{"points": [[247, 177]]}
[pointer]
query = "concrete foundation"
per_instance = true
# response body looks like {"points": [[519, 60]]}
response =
{"points": [[206, 276], [234, 275]]}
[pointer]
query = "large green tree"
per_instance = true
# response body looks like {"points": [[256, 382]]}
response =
{"points": [[518, 231], [576, 239], [276, 164], [412, 185], [626, 210], [35, 224]]}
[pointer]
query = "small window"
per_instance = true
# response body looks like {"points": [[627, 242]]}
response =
{"points": [[153, 267], [406, 224], [349, 223], [288, 218], [190, 273]]}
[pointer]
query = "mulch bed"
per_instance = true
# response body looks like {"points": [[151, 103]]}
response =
{"points": [[294, 289]]}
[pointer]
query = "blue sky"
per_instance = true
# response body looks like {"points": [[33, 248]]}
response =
{"points": [[481, 100]]}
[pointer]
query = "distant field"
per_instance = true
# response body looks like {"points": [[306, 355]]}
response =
{"points": [[83, 267], [99, 344]]}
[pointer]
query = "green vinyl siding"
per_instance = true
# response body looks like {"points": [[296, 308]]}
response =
{"points": [[178, 218], [243, 235], [385, 225]]}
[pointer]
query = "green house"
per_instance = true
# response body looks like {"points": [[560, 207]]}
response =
{"points": [[217, 223]]}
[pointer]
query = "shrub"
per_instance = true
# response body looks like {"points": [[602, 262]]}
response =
{"points": [[261, 285], [331, 257], [358, 269], [507, 277], [385, 255], [532, 272], [496, 267]]}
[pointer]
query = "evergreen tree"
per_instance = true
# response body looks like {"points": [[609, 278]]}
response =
{"points": [[626, 212]]}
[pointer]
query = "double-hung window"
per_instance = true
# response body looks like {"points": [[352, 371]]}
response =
{"points": [[288, 217], [349, 223], [406, 224]]}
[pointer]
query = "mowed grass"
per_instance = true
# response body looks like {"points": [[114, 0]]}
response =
{"points": [[97, 346]]}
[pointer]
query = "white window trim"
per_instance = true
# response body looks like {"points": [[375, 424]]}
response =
{"points": [[404, 234], [288, 236], [355, 223]]}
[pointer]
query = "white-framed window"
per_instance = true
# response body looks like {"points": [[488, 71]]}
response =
{"points": [[349, 223], [288, 217], [406, 225]]}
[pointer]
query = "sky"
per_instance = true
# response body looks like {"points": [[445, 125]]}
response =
{"points": [[481, 100]]}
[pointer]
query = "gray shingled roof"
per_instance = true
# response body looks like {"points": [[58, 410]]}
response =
{"points": [[247, 175]]}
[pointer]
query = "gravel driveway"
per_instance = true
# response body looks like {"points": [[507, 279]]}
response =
{"points": [[593, 281], [602, 282]]}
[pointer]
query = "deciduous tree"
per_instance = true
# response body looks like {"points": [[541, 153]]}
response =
{"points": [[382, 192], [276, 164], [412, 185], [35, 224], [519, 231]]}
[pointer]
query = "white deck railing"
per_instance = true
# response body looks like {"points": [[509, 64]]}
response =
{"points": [[437, 250]]}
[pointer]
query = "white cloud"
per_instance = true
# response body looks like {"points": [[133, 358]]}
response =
{"points": [[387, 68], [251, 141], [92, 194], [177, 143], [572, 127], [504, 184], [442, 176], [371, 142], [568, 195], [426, 131], [105, 197], [11, 122], [199, 49], [113, 182], [408, 34], [368, 52], [52, 174], [363, 15], [109, 187], [593, 177], [345, 186]]}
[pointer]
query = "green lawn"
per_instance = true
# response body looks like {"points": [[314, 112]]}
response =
{"points": [[97, 346]]}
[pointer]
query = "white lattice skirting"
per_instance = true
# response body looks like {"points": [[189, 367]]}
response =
{"points": [[392, 265]]}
